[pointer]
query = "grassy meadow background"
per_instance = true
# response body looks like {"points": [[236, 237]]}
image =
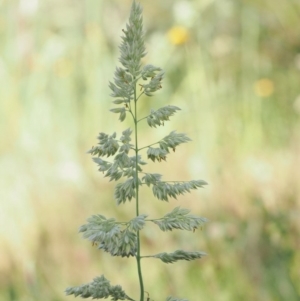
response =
{"points": [[233, 67]]}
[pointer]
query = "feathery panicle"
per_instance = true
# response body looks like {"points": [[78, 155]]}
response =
{"points": [[119, 158]]}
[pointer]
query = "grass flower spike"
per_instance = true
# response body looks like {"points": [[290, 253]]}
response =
{"points": [[120, 158]]}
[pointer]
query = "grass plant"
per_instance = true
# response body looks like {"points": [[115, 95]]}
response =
{"points": [[131, 83], [238, 89]]}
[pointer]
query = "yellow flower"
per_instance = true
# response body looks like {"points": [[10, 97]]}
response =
{"points": [[178, 35], [264, 87]]}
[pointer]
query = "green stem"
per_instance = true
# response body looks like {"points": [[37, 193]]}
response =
{"points": [[149, 145], [138, 255]]}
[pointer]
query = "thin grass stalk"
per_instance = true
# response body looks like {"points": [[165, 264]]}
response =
{"points": [[138, 255]]}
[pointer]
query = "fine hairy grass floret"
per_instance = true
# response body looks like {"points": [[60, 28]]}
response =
{"points": [[119, 157]]}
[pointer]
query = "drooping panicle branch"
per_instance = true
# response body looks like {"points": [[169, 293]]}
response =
{"points": [[178, 255], [179, 218], [99, 288]]}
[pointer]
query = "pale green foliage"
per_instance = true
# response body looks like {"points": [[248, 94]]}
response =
{"points": [[132, 47], [149, 71], [123, 165], [164, 190], [153, 85], [173, 140], [161, 115], [108, 234], [169, 142], [137, 223], [151, 178], [179, 218], [125, 162], [121, 111], [178, 255], [156, 153], [125, 191], [98, 289], [107, 145]]}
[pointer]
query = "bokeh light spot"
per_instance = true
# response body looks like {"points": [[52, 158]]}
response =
{"points": [[264, 87], [178, 35]]}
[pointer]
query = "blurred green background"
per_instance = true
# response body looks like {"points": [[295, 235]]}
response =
{"points": [[232, 66]]}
